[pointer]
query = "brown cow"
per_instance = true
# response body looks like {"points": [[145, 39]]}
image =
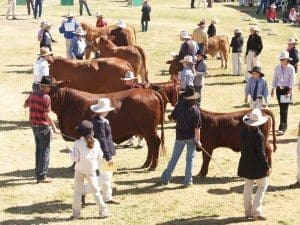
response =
{"points": [[94, 76], [219, 43], [71, 106], [135, 55], [223, 130]]}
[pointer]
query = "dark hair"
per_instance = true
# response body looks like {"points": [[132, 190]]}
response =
{"points": [[89, 141]]}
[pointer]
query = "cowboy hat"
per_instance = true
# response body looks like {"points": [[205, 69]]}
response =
{"points": [[121, 24], [85, 128], [292, 40], [255, 118], [273, 6], [103, 105], [188, 59], [189, 93], [254, 27], [184, 34], [237, 30], [99, 14], [257, 69], [80, 31], [215, 20], [201, 23], [46, 81], [44, 51], [284, 55], [129, 76], [69, 15]]}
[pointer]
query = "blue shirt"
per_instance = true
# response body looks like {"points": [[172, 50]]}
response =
{"points": [[77, 47], [187, 118], [262, 89], [187, 77], [68, 28]]}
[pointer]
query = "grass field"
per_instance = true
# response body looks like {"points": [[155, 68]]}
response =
{"points": [[214, 200]]}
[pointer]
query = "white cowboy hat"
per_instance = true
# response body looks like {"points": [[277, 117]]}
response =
{"points": [[69, 15], [284, 55], [44, 51], [254, 27], [215, 20], [292, 40], [188, 59], [237, 30], [121, 24], [80, 31], [129, 76], [103, 105], [98, 13], [255, 118], [184, 34], [273, 6]]}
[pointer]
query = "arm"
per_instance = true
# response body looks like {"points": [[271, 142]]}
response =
{"points": [[274, 83], [99, 130], [183, 50], [26, 103], [259, 148], [247, 47], [74, 153], [260, 46], [62, 28], [51, 122], [266, 91], [174, 113]]}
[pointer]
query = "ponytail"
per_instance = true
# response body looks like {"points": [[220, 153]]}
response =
{"points": [[89, 141]]}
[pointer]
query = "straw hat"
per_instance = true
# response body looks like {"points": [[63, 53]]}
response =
{"points": [[188, 59], [129, 76], [189, 93], [201, 23], [44, 51], [237, 30], [215, 20], [292, 40], [185, 35], [69, 15], [103, 105], [46, 25], [121, 24], [99, 14], [80, 31], [257, 69], [255, 118], [284, 55]]}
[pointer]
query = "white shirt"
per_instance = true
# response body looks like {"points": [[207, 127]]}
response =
{"points": [[40, 69], [87, 160], [284, 77]]}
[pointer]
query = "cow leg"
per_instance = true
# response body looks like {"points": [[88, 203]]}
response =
{"points": [[149, 153], [268, 151], [225, 59], [222, 60], [153, 144], [204, 169]]}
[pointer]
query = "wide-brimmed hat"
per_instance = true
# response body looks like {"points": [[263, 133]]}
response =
{"points": [[254, 27], [103, 105], [257, 69], [184, 34], [85, 128], [46, 81], [273, 6], [99, 14], [284, 55], [292, 40], [255, 118], [215, 20], [121, 24], [129, 76], [69, 15], [237, 30], [44, 51], [201, 23], [188, 59], [46, 25], [189, 93], [80, 31]]}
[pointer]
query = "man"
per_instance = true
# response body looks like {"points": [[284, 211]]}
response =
{"points": [[68, 27], [293, 53], [200, 36], [188, 123], [146, 10], [78, 44], [188, 47], [253, 164], [29, 3], [263, 5], [39, 103], [11, 6], [201, 72], [81, 3]]}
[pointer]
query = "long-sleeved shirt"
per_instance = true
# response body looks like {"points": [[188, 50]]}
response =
{"points": [[211, 31], [284, 77], [146, 10], [255, 44], [294, 54], [87, 160], [187, 77], [40, 69], [201, 71], [187, 48], [68, 28], [271, 15], [199, 35], [237, 44], [262, 88], [77, 47], [101, 23]]}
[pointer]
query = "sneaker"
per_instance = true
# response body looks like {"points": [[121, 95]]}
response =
{"points": [[45, 180], [188, 185], [75, 217], [14, 18], [139, 146], [280, 132]]}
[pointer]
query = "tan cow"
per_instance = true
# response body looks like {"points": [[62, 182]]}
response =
{"points": [[219, 43]]}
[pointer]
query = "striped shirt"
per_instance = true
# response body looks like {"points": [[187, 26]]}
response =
{"points": [[39, 104], [284, 77]]}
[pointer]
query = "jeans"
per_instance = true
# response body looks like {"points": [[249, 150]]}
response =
{"points": [[178, 148], [192, 3], [38, 7], [42, 150], [284, 107], [81, 3], [29, 3], [144, 25], [263, 4]]}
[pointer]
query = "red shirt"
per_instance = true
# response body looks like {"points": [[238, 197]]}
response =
{"points": [[271, 14], [101, 23], [39, 104]]}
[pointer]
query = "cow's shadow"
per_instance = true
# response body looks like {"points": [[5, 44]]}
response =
{"points": [[224, 83]]}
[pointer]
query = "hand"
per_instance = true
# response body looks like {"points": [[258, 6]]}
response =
{"points": [[269, 171], [56, 131], [272, 93], [110, 163]]}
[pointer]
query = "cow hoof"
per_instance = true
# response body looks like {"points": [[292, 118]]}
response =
{"points": [[201, 176], [151, 169]]}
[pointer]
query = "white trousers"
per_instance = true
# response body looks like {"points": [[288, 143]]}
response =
{"points": [[92, 183], [255, 104], [298, 160], [105, 184], [236, 63], [254, 208], [11, 7], [251, 62], [68, 45]]}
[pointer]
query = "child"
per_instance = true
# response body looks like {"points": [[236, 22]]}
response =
{"points": [[237, 46], [188, 72], [40, 33], [100, 21], [45, 36], [102, 131], [271, 14], [86, 154], [257, 88], [201, 71]]}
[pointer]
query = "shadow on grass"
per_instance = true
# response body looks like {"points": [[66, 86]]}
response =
{"points": [[26, 92], [251, 11], [286, 141], [224, 83], [163, 72], [16, 182], [213, 219], [35, 220], [9, 125], [18, 65], [28, 71], [222, 75]]}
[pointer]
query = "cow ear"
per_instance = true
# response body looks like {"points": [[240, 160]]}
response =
{"points": [[111, 38]]}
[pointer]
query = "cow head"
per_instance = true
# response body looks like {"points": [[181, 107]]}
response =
{"points": [[54, 95], [105, 42], [175, 67]]}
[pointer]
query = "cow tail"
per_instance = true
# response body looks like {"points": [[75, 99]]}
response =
{"points": [[162, 119], [144, 66]]}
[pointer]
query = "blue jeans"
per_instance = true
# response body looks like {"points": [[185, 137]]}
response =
{"points": [[42, 150], [144, 25], [81, 3], [38, 7], [263, 4], [178, 148]]}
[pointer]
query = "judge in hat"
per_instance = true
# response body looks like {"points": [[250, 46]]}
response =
{"points": [[78, 44], [293, 52], [200, 36]]}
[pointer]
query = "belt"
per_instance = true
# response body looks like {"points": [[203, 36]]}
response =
{"points": [[282, 87], [39, 126]]}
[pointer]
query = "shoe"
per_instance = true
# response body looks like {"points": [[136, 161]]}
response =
{"points": [[14, 18], [280, 132], [104, 215], [75, 217], [295, 185], [113, 202], [45, 180], [259, 217], [83, 199]]}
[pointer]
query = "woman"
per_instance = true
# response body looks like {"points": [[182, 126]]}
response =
{"points": [[293, 52], [78, 44], [46, 37], [271, 14], [283, 83], [253, 164]]}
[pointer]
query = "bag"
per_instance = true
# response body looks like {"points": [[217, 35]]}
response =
{"points": [[284, 99]]}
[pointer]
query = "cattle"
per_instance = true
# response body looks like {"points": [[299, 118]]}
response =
{"points": [[72, 106], [135, 55], [94, 76], [93, 32], [223, 130], [219, 43]]}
